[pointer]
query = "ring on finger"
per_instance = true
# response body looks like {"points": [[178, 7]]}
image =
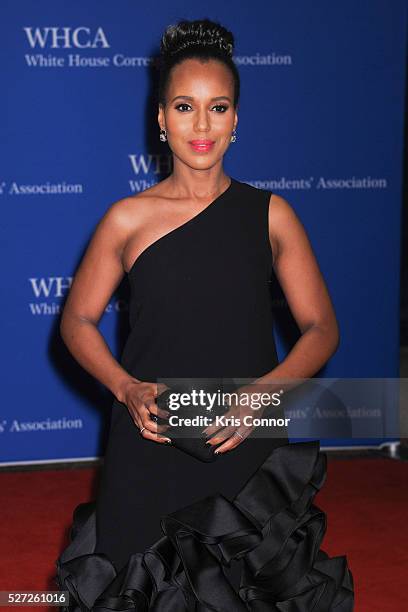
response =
{"points": [[236, 433], [142, 430]]}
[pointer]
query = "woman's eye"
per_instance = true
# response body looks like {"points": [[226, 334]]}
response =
{"points": [[182, 104]]}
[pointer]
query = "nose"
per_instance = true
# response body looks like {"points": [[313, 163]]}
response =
{"points": [[202, 123]]}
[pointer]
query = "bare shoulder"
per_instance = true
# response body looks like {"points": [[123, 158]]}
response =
{"points": [[122, 211], [285, 226], [280, 209], [282, 215], [128, 213], [138, 202], [147, 196]]}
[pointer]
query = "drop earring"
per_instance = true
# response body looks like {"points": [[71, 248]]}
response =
{"points": [[163, 135], [234, 135]]}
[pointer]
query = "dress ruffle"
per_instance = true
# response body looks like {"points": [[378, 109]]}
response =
{"points": [[272, 527]]}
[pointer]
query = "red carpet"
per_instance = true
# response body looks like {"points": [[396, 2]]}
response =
{"points": [[366, 501]]}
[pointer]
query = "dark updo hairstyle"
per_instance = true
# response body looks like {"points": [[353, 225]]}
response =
{"points": [[202, 39]]}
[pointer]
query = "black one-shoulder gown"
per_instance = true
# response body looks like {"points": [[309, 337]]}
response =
{"points": [[168, 532]]}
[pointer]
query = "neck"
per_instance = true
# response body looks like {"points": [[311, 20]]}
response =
{"points": [[198, 184]]}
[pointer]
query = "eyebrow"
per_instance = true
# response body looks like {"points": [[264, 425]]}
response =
{"points": [[191, 98]]}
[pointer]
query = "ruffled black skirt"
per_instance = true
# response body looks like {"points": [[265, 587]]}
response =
{"points": [[271, 529]]}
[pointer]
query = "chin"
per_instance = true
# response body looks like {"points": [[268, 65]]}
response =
{"points": [[203, 164], [195, 160], [199, 162]]}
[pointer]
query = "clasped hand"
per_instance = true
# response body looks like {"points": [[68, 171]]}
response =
{"points": [[231, 436], [140, 399]]}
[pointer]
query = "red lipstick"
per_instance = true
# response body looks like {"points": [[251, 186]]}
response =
{"points": [[202, 145]]}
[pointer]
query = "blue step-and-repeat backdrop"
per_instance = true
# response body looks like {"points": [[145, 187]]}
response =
{"points": [[320, 123]]}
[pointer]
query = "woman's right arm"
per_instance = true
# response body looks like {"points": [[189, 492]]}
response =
{"points": [[98, 275]]}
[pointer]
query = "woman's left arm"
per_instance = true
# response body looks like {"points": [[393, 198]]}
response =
{"points": [[306, 293], [308, 298]]}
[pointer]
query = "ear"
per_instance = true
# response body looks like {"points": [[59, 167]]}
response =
{"points": [[160, 118], [236, 117]]}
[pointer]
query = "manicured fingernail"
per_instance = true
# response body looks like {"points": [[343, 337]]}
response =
{"points": [[168, 440]]}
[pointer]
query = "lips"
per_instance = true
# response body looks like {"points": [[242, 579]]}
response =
{"points": [[201, 145]]}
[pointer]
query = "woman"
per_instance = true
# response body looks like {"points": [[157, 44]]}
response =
{"points": [[168, 531]]}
